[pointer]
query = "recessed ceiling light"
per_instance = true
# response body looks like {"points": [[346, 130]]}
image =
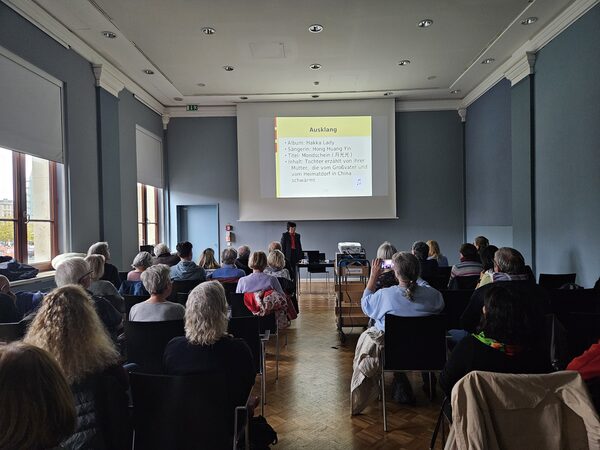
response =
{"points": [[243, 97], [387, 94], [432, 77], [177, 99], [201, 84], [314, 96], [315, 66], [404, 62], [208, 30], [316, 83], [529, 21], [455, 91], [488, 61], [425, 23], [149, 71], [315, 28], [109, 34], [228, 68]]}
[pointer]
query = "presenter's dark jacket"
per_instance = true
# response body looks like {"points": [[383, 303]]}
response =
{"points": [[293, 256]]}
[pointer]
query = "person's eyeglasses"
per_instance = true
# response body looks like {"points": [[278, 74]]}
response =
{"points": [[84, 277]]}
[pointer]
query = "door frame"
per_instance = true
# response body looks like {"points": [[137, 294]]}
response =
{"points": [[179, 208]]}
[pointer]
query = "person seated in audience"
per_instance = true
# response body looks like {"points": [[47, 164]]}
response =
{"points": [[435, 253], [207, 346], [68, 327], [38, 410], [9, 313], [101, 287], [428, 266], [510, 272], [243, 258], [111, 273], [505, 341], [481, 242], [469, 265], [228, 271], [186, 269], [77, 271], [387, 277], [164, 256], [208, 261], [276, 245], [141, 262], [487, 263], [588, 365], [276, 265], [410, 298], [258, 280], [157, 281]]}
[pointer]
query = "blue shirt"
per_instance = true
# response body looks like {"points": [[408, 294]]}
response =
{"points": [[392, 300], [227, 271]]}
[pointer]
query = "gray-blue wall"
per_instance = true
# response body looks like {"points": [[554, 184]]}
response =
{"points": [[203, 170], [489, 167], [567, 156]]}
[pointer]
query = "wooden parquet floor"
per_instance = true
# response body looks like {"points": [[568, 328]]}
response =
{"points": [[309, 406]]}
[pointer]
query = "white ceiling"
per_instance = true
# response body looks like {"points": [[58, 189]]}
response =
{"points": [[270, 47]]}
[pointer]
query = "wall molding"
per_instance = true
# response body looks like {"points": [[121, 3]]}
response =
{"points": [[35, 14], [515, 64], [203, 111], [524, 67], [107, 80], [427, 105]]}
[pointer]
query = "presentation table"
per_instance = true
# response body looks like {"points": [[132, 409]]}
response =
{"points": [[303, 263]]}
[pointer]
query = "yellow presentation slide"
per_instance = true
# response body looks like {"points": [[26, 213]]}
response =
{"points": [[323, 156]]}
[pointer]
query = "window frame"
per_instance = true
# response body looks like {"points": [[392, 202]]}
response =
{"points": [[143, 239]]}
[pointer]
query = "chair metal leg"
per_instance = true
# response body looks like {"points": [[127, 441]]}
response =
{"points": [[277, 355], [383, 401], [438, 423], [430, 386], [263, 379]]}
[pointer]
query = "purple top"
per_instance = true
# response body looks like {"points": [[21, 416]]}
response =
{"points": [[133, 275], [258, 281]]}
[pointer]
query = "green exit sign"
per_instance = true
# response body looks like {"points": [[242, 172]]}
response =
{"points": [[191, 108]]}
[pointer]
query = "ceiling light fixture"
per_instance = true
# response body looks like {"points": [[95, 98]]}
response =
{"points": [[488, 61], [404, 62], [387, 94], [201, 84], [314, 96], [529, 21], [243, 97], [149, 71], [228, 68], [208, 30], [109, 34], [455, 91], [177, 99], [316, 83], [315, 66], [431, 77], [425, 23], [315, 28]]}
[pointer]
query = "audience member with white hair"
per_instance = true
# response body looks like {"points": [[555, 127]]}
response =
{"points": [[207, 346], [111, 273], [157, 281], [141, 262], [77, 271], [276, 265], [243, 258], [101, 287], [228, 270], [163, 255]]}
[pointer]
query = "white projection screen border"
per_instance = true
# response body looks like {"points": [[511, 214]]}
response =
{"points": [[257, 147]]}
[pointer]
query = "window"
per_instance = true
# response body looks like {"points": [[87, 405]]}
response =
{"points": [[28, 227], [148, 214]]}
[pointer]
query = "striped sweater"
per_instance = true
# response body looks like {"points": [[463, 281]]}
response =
{"points": [[466, 269]]}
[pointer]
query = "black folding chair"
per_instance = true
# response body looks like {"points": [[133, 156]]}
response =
{"points": [[247, 328], [185, 412], [556, 280], [468, 282], [131, 300], [583, 330], [184, 286], [455, 302], [146, 342], [238, 308], [10, 332], [412, 344]]}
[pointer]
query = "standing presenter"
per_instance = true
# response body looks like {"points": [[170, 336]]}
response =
{"points": [[291, 246]]}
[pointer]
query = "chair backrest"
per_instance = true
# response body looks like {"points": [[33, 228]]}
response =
{"points": [[583, 330], [238, 308], [122, 275], [131, 300], [414, 343], [455, 302], [147, 248], [564, 301], [146, 342], [247, 328], [181, 412], [468, 282], [312, 256], [10, 332], [133, 288], [438, 282], [322, 257], [229, 286], [556, 280], [184, 286], [182, 298], [444, 271]]}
